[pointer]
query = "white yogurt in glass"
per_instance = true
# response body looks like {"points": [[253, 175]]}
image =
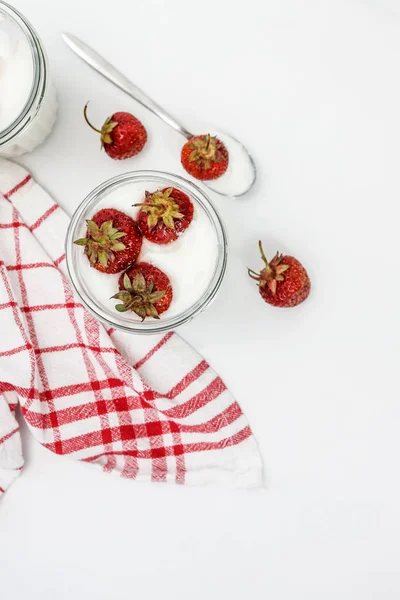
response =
{"points": [[194, 263], [188, 261], [27, 97]]}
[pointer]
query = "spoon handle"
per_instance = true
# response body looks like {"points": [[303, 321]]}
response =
{"points": [[103, 67]]}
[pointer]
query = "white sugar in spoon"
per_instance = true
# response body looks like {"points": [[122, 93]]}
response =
{"points": [[241, 173]]}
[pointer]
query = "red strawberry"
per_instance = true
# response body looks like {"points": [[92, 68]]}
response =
{"points": [[122, 135], [113, 241], [283, 281], [145, 290], [205, 157], [165, 215]]}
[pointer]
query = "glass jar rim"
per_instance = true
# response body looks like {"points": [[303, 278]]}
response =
{"points": [[23, 120], [165, 179]]}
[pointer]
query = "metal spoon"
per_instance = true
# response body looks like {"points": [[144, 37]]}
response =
{"points": [[103, 67]]}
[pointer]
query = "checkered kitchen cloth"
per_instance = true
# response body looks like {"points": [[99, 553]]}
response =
{"points": [[146, 407]]}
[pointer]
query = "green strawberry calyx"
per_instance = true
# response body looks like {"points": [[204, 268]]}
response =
{"points": [[206, 149], [102, 242], [161, 206], [139, 297], [272, 272]]}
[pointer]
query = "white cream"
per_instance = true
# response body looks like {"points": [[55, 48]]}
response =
{"points": [[16, 71], [17, 76], [189, 262], [239, 175]]}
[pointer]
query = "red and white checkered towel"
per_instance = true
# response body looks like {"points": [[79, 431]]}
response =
{"points": [[146, 407]]}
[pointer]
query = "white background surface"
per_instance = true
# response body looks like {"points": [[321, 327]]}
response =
{"points": [[312, 87]]}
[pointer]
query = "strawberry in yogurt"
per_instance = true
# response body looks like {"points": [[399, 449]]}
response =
{"points": [[164, 215], [179, 248], [144, 290], [112, 242]]}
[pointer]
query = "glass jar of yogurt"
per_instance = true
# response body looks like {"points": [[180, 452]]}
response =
{"points": [[28, 103], [195, 262]]}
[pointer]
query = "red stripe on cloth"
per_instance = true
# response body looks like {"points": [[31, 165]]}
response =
{"points": [[160, 344], [188, 379], [16, 350], [85, 411], [131, 466], [159, 459], [130, 470], [39, 307], [75, 345], [2, 490], [122, 405], [89, 440], [90, 370], [7, 437], [18, 186], [212, 391], [44, 217], [232, 440], [77, 388], [19, 324], [70, 390], [176, 436], [185, 382], [179, 458], [29, 266], [12, 225], [225, 418], [59, 260], [21, 391], [92, 329], [157, 446], [33, 336], [8, 305], [180, 469]]}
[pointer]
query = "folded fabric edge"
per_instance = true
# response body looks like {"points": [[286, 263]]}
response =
{"points": [[7, 478], [237, 467], [251, 478]]}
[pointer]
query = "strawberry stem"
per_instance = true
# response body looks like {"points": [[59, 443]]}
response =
{"points": [[87, 120], [264, 257]]}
